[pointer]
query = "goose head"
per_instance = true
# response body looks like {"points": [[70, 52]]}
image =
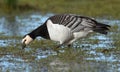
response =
{"points": [[26, 40]]}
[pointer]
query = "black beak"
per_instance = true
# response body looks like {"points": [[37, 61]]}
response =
{"points": [[23, 45]]}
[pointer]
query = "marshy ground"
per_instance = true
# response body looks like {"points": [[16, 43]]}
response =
{"points": [[96, 53]]}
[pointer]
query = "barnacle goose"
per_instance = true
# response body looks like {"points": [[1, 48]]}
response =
{"points": [[65, 28]]}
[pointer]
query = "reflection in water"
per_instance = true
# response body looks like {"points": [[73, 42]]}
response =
{"points": [[21, 25], [10, 26]]}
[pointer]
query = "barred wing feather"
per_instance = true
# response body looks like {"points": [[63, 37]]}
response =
{"points": [[74, 22]]}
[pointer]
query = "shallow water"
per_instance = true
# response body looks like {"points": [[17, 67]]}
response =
{"points": [[35, 59]]}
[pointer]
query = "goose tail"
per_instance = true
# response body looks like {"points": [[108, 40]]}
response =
{"points": [[102, 28]]}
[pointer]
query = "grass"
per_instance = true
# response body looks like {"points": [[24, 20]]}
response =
{"points": [[49, 45], [71, 60], [94, 8], [115, 36]]}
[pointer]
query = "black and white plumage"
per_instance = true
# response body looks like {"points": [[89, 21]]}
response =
{"points": [[66, 28]]}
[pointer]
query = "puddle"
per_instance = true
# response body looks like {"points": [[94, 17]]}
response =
{"points": [[20, 25], [18, 65]]}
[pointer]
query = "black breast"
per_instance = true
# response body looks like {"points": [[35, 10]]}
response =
{"points": [[44, 31]]}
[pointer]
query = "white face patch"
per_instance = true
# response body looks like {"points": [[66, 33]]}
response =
{"points": [[27, 39]]}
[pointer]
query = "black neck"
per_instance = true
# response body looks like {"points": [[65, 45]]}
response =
{"points": [[40, 31]]}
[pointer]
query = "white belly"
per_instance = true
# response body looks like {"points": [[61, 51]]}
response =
{"points": [[58, 32], [78, 35]]}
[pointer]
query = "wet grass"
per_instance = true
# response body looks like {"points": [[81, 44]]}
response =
{"points": [[106, 8], [68, 59], [49, 45], [10, 37], [115, 36]]}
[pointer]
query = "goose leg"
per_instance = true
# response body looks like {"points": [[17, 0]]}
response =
{"points": [[69, 45], [58, 46]]}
